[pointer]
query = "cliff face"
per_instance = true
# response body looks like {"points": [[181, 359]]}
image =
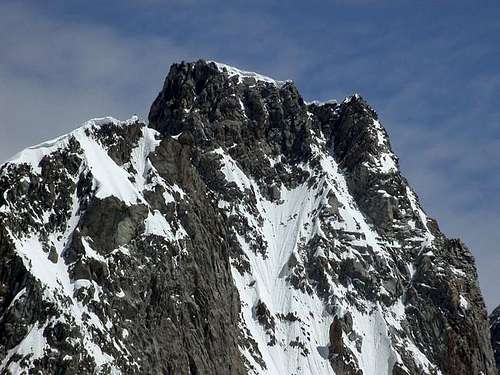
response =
{"points": [[242, 231], [495, 335]]}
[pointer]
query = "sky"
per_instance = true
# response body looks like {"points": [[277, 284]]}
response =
{"points": [[431, 69]]}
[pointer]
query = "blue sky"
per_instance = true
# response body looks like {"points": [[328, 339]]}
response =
{"points": [[431, 69]]}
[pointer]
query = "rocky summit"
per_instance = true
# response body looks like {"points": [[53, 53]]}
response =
{"points": [[241, 231]]}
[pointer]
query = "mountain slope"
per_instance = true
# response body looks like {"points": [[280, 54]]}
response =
{"points": [[242, 231]]}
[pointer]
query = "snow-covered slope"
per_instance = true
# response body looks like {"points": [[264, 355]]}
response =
{"points": [[242, 231], [288, 227], [41, 247]]}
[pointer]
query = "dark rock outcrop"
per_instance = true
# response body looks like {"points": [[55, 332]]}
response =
{"points": [[495, 335]]}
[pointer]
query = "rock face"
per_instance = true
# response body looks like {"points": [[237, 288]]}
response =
{"points": [[243, 231], [495, 334]]}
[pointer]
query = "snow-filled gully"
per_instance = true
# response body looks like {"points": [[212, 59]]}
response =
{"points": [[302, 345]]}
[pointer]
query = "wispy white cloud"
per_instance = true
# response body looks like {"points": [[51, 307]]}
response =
{"points": [[54, 75]]}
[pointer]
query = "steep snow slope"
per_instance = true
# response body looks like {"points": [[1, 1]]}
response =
{"points": [[287, 227], [109, 179], [242, 231]]}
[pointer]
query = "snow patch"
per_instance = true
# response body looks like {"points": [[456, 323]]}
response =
{"points": [[241, 74]]}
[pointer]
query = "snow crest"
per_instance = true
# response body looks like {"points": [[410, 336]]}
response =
{"points": [[241, 74]]}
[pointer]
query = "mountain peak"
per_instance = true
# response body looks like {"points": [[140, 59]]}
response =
{"points": [[242, 232], [210, 100]]}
